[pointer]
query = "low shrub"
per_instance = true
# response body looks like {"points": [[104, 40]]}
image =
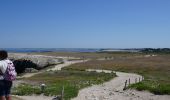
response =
{"points": [[153, 87]]}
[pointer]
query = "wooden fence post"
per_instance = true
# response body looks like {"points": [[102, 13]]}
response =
{"points": [[62, 94], [136, 80], [143, 78], [125, 85]]}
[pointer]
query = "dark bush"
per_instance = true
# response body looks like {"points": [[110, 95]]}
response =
{"points": [[21, 65]]}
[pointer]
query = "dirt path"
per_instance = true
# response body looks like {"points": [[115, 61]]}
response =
{"points": [[34, 97], [66, 63], [113, 90], [57, 67]]}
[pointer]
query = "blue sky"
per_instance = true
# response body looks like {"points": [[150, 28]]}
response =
{"points": [[84, 23]]}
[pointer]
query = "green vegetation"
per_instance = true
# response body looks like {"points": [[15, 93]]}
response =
{"points": [[155, 69], [92, 55], [153, 87], [25, 89], [72, 81]]}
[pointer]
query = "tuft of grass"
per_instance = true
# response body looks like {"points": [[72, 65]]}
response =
{"points": [[26, 89]]}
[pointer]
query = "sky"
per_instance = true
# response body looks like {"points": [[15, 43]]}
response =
{"points": [[84, 23]]}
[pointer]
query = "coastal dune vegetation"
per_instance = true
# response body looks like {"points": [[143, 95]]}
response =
{"points": [[155, 68], [72, 81]]}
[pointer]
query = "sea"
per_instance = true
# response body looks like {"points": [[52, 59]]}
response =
{"points": [[81, 50], [30, 50]]}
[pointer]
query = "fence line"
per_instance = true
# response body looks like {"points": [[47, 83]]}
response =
{"points": [[128, 82]]}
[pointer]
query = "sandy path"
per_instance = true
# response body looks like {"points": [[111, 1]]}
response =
{"points": [[66, 63], [34, 97], [57, 67], [113, 90]]}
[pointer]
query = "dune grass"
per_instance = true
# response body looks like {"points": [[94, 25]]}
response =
{"points": [[72, 81], [155, 70], [154, 87]]}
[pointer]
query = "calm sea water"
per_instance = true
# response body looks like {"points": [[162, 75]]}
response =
{"points": [[27, 50]]}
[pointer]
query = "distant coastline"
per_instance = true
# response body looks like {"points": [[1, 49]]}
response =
{"points": [[88, 50], [30, 50]]}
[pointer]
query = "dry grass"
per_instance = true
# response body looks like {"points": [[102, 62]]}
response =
{"points": [[93, 55], [155, 69]]}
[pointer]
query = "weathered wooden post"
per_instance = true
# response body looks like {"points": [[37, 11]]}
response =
{"points": [[62, 93], [129, 81], [143, 78], [125, 85], [136, 80]]}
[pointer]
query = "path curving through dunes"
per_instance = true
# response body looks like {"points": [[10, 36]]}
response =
{"points": [[56, 67], [113, 90], [66, 63]]}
